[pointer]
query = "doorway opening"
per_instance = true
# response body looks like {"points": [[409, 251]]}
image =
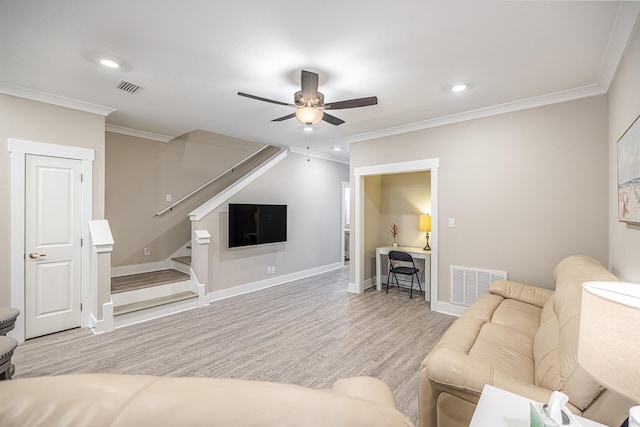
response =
{"points": [[357, 228]]}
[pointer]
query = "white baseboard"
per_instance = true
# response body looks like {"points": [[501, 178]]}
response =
{"points": [[448, 308], [199, 288], [268, 283], [140, 268], [106, 324]]}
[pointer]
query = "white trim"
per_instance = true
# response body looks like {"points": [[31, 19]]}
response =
{"points": [[141, 268], [508, 107], [358, 226], [202, 237], [105, 325], [61, 101], [343, 223], [137, 133], [268, 283], [19, 149], [621, 35], [208, 206], [316, 155]]}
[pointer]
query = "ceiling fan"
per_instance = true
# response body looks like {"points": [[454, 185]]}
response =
{"points": [[309, 103]]}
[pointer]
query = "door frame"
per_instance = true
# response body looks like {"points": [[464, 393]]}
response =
{"points": [[19, 149], [343, 222], [431, 165]]}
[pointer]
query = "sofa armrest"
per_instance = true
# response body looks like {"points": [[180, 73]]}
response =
{"points": [[520, 291], [367, 388]]}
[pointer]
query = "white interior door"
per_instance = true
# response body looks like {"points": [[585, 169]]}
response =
{"points": [[53, 232]]}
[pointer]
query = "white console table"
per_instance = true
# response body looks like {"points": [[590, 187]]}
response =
{"points": [[416, 253], [500, 408]]}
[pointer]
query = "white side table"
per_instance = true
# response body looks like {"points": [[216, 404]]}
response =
{"points": [[500, 408]]}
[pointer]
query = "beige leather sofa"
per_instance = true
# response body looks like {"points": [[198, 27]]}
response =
{"points": [[128, 400], [522, 339]]}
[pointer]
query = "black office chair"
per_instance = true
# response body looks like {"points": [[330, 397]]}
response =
{"points": [[394, 268]]}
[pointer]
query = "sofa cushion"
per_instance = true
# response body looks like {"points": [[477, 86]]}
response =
{"points": [[505, 349]]}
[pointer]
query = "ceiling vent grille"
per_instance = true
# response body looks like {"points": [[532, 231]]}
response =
{"points": [[128, 86]]}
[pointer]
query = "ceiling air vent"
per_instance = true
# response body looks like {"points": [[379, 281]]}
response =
{"points": [[128, 86]]}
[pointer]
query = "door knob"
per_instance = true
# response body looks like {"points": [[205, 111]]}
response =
{"points": [[34, 255]]}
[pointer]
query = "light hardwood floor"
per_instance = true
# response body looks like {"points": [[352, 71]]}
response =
{"points": [[309, 332]]}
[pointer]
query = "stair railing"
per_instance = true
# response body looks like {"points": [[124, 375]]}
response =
{"points": [[211, 181]]}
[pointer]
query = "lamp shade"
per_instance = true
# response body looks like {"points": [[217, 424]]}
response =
{"points": [[424, 223], [608, 345], [309, 115]]}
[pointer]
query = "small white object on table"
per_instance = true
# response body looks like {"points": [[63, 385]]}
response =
{"points": [[500, 408]]}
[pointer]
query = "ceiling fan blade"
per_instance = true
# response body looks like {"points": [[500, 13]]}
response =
{"points": [[309, 83], [332, 119], [259, 98], [287, 117], [352, 103]]}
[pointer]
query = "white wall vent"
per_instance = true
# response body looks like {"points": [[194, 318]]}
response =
{"points": [[468, 283], [128, 86]]}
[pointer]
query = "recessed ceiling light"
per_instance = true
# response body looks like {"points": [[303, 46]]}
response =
{"points": [[459, 87], [109, 63], [308, 129], [337, 149]]}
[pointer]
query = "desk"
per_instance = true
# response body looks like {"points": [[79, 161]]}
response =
{"points": [[500, 408], [417, 253]]}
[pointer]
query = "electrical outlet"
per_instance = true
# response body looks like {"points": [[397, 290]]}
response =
{"points": [[452, 222], [271, 270], [147, 250], [168, 197]]}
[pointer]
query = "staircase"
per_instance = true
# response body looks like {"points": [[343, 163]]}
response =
{"points": [[145, 296]]}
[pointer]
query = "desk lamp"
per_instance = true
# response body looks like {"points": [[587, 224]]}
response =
{"points": [[608, 344], [424, 224]]}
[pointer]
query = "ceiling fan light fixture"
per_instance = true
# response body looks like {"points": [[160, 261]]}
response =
{"points": [[309, 115]]}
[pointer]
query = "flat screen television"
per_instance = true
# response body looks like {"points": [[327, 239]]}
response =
{"points": [[251, 224]]}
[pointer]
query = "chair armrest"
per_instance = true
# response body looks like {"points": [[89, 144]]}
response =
{"points": [[520, 291]]}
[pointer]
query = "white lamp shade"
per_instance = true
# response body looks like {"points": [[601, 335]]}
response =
{"points": [[609, 343], [424, 223], [309, 115]]}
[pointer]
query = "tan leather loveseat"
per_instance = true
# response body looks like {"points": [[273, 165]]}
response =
{"points": [[129, 400], [522, 339]]}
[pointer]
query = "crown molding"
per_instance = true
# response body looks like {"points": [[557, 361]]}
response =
{"points": [[621, 34], [508, 107], [137, 133], [61, 101]]}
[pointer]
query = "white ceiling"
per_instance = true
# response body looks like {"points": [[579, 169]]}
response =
{"points": [[191, 57]]}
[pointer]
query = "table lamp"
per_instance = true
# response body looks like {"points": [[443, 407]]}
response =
{"points": [[608, 344], [424, 224]]}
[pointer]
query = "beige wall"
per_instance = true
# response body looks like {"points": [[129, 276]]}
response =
{"points": [[312, 191], [526, 188], [394, 198], [35, 121], [141, 172], [405, 196], [624, 107]]}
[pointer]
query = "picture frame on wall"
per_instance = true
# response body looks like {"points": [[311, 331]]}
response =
{"points": [[629, 174]]}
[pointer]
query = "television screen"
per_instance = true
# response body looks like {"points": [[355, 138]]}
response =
{"points": [[251, 224]]}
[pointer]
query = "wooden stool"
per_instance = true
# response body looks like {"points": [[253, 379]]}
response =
{"points": [[8, 317], [7, 345]]}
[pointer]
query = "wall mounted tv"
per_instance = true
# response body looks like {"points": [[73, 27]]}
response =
{"points": [[256, 224]]}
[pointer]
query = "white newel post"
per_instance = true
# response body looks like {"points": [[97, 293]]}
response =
{"points": [[102, 246], [200, 264]]}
